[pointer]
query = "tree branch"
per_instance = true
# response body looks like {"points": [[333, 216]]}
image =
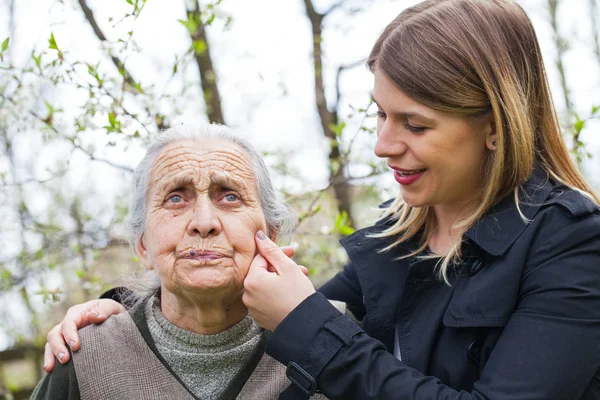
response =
{"points": [[51, 126], [342, 68], [208, 77], [333, 8], [329, 119], [89, 16]]}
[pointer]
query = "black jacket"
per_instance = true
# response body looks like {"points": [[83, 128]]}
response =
{"points": [[520, 321]]}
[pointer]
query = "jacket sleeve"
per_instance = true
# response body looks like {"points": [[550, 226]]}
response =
{"points": [[549, 349], [345, 287], [60, 384]]}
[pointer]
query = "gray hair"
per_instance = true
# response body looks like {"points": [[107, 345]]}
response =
{"points": [[278, 215]]}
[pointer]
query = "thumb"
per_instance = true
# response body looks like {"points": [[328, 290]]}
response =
{"points": [[273, 253], [259, 263]]}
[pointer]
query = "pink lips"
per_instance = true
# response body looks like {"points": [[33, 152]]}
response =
{"points": [[407, 179], [204, 255]]}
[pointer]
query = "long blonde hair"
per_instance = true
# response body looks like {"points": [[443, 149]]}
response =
{"points": [[474, 57]]}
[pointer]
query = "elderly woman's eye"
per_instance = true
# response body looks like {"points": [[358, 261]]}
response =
{"points": [[175, 199], [231, 197]]}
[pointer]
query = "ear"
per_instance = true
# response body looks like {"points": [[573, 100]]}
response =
{"points": [[142, 252], [491, 137]]}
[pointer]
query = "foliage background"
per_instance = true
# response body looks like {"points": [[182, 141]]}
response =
{"points": [[86, 84]]}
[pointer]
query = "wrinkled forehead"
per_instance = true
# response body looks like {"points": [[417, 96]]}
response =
{"points": [[204, 161]]}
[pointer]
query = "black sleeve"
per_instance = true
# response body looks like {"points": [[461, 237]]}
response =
{"points": [[345, 287], [549, 348], [60, 384]]}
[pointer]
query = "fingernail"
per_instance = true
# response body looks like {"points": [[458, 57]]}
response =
{"points": [[95, 312], [45, 364], [60, 356], [71, 343], [261, 235]]}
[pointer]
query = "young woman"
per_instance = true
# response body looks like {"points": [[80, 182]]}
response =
{"points": [[482, 279]]}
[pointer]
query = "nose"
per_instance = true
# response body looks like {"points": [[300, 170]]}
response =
{"points": [[205, 219], [390, 140]]}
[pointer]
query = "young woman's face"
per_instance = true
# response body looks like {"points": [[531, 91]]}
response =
{"points": [[437, 157]]}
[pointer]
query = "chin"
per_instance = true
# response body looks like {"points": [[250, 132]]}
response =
{"points": [[415, 201]]}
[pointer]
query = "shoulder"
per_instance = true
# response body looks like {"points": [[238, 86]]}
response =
{"points": [[116, 323], [59, 384], [565, 210], [574, 203]]}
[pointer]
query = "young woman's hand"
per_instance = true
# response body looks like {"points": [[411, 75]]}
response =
{"points": [[77, 317], [275, 284]]}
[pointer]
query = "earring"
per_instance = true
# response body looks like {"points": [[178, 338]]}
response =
{"points": [[494, 143]]}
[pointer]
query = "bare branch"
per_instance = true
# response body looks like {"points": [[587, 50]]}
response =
{"points": [[342, 68], [102, 160], [329, 119], [89, 15], [333, 8]]}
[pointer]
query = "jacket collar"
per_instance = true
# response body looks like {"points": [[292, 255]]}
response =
{"points": [[498, 229]]}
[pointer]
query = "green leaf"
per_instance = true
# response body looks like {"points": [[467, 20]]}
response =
{"points": [[6, 276], [38, 60], [129, 1], [579, 125], [210, 20], [5, 45], [595, 109], [52, 42], [39, 254], [190, 24], [337, 129]]}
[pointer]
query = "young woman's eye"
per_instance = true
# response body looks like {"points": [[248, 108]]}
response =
{"points": [[414, 129], [381, 114]]}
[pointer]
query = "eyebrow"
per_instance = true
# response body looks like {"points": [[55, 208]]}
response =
{"points": [[407, 114], [176, 182], [224, 179]]}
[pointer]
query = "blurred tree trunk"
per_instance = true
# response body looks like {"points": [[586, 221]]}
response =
{"points": [[561, 46], [329, 118], [208, 77]]}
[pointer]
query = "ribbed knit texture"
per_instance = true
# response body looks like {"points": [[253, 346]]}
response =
{"points": [[205, 363]]}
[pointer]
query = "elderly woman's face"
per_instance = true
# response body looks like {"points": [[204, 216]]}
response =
{"points": [[203, 211]]}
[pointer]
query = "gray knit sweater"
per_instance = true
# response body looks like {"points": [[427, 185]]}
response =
{"points": [[205, 363]]}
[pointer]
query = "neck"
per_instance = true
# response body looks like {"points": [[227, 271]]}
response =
{"points": [[445, 234], [205, 315]]}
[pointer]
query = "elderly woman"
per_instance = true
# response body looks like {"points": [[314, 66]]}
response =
{"points": [[199, 198]]}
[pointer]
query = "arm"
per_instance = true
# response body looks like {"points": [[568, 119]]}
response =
{"points": [[549, 349], [345, 287], [77, 317], [111, 302]]}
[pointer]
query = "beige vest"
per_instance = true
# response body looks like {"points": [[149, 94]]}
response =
{"points": [[115, 362]]}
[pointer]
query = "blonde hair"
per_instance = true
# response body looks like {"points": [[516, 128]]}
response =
{"points": [[474, 57]]}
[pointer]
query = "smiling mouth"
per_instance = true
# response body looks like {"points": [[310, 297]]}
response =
{"points": [[409, 173]]}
